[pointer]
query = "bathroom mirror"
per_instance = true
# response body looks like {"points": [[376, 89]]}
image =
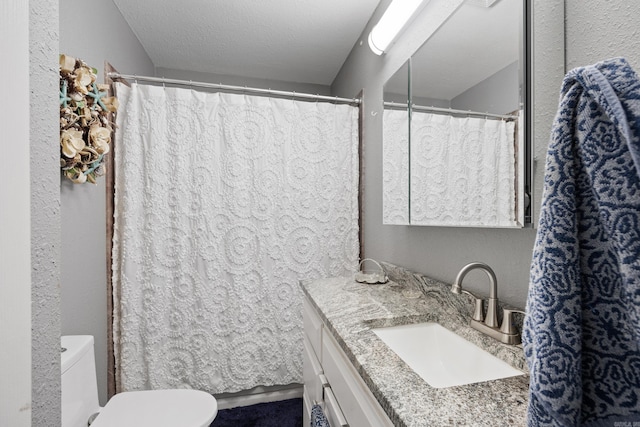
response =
{"points": [[468, 153]]}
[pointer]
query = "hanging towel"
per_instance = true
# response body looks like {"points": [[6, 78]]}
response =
{"points": [[318, 419], [582, 330]]}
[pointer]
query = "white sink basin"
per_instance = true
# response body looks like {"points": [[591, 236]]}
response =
{"points": [[441, 357]]}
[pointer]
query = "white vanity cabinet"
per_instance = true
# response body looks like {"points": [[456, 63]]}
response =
{"points": [[331, 380]]}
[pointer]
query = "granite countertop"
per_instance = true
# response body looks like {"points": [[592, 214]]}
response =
{"points": [[350, 310]]}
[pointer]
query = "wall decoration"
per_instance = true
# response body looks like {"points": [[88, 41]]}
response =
{"points": [[85, 125]]}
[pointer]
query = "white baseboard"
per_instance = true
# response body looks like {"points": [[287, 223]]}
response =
{"points": [[258, 396]]}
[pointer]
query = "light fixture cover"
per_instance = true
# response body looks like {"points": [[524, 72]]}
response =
{"points": [[389, 26], [482, 3]]}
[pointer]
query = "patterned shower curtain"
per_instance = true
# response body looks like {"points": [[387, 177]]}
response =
{"points": [[463, 171], [222, 203], [395, 167]]}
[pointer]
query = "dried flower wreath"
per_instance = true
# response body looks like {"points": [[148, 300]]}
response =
{"points": [[85, 126]]}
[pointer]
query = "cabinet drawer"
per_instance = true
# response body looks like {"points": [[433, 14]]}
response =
{"points": [[332, 410], [358, 404], [312, 328], [311, 370]]}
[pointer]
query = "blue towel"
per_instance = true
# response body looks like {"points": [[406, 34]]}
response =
{"points": [[582, 329], [318, 419]]}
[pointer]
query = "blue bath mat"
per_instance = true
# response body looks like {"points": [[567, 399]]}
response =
{"points": [[286, 413]]}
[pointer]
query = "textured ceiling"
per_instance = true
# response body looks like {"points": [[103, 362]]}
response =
{"points": [[304, 41]]}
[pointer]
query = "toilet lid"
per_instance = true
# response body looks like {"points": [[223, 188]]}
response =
{"points": [[158, 408]]}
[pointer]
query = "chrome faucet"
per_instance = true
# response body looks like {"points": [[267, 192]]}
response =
{"points": [[488, 324]]}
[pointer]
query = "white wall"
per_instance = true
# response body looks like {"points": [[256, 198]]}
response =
{"points": [[602, 29], [15, 248], [45, 211], [96, 32]]}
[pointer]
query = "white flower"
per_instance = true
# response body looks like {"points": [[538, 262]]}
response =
{"points": [[111, 102], [100, 138], [71, 142], [67, 63], [84, 77]]}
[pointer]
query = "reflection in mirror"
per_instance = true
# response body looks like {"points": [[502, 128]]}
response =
{"points": [[472, 62], [467, 151], [395, 147], [462, 171], [465, 158]]}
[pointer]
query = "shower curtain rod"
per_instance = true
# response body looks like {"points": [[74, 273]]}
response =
{"points": [[451, 111], [219, 86]]}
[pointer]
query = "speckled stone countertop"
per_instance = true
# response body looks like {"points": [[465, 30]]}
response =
{"points": [[350, 309]]}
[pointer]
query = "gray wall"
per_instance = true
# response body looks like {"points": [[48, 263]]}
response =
{"points": [[197, 76], [45, 212], [94, 31], [438, 252], [499, 93]]}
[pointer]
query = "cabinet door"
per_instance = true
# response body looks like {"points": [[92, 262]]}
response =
{"points": [[312, 328], [358, 404]]}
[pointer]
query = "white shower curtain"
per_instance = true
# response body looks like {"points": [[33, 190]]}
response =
{"points": [[395, 167], [462, 171], [223, 202]]}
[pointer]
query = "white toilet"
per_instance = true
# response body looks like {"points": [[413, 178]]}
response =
{"points": [[154, 408]]}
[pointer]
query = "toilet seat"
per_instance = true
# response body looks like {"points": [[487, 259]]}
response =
{"points": [[158, 408]]}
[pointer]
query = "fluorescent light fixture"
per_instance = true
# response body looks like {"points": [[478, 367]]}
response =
{"points": [[393, 20]]}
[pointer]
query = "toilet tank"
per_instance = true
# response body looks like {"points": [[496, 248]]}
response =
{"points": [[79, 385]]}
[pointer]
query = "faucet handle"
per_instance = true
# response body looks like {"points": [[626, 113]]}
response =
{"points": [[507, 321], [478, 306]]}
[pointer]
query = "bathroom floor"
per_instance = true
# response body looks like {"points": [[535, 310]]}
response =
{"points": [[286, 413]]}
